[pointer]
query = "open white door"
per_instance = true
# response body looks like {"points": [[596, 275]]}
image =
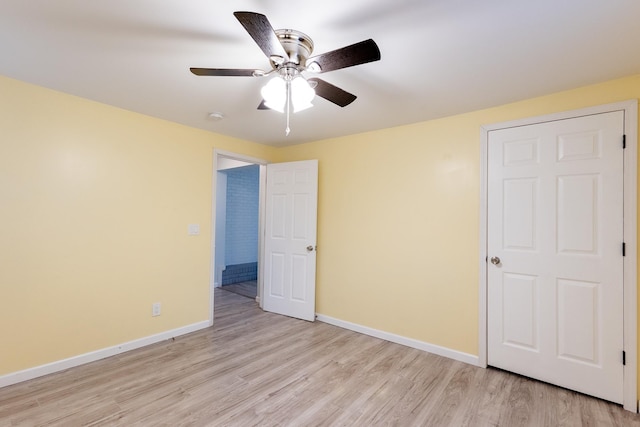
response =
{"points": [[290, 239]]}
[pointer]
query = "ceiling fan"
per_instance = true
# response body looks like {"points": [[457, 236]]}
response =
{"points": [[289, 55]]}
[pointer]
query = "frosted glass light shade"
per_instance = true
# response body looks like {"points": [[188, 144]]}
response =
{"points": [[274, 94], [301, 94]]}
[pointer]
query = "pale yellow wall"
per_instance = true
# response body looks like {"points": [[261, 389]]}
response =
{"points": [[95, 204], [399, 219]]}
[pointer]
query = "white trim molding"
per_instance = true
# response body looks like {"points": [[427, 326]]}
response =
{"points": [[61, 365], [630, 109], [398, 339]]}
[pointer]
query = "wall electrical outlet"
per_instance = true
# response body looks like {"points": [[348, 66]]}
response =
{"points": [[155, 309]]}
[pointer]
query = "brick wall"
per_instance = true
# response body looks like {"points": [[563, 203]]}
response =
{"points": [[241, 244], [240, 273]]}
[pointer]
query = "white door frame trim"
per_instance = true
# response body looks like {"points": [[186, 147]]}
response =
{"points": [[630, 109], [217, 154]]}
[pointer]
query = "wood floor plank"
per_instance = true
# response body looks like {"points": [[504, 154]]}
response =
{"points": [[248, 289], [493, 388], [254, 368]]}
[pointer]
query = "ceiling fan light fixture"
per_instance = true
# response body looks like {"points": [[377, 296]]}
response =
{"points": [[274, 93], [301, 94], [289, 52]]}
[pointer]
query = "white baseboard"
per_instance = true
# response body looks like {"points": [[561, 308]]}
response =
{"points": [[398, 339], [61, 365]]}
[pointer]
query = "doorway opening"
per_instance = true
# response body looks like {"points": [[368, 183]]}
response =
{"points": [[237, 266], [287, 223], [238, 184]]}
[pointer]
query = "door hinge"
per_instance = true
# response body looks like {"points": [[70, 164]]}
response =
{"points": [[624, 249], [624, 141], [624, 357]]}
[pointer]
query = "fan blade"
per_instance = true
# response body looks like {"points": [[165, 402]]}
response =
{"points": [[225, 72], [332, 93], [259, 28], [348, 56]]}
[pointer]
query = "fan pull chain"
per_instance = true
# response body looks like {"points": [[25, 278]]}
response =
{"points": [[288, 130]]}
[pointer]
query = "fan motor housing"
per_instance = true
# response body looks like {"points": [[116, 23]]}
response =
{"points": [[297, 44]]}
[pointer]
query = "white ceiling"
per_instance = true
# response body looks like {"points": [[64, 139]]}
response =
{"points": [[439, 57]]}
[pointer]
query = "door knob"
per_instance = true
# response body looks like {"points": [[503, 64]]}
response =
{"points": [[495, 260], [309, 248]]}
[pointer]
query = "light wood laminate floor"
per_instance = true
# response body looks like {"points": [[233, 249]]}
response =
{"points": [[259, 369], [248, 289]]}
